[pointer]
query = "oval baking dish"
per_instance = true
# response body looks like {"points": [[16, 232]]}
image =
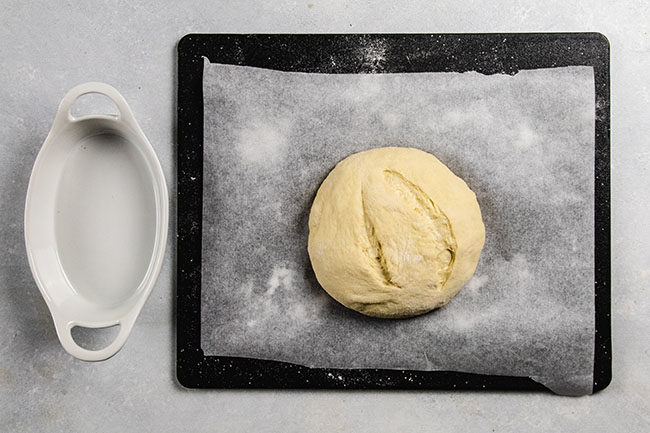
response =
{"points": [[96, 217]]}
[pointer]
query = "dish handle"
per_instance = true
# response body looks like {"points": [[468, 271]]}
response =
{"points": [[64, 331], [64, 115]]}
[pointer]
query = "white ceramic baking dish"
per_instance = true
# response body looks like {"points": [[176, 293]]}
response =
{"points": [[96, 218]]}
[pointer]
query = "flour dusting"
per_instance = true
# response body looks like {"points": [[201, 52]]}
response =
{"points": [[263, 142], [280, 277]]}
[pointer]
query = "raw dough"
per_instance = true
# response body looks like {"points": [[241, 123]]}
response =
{"points": [[394, 233]]}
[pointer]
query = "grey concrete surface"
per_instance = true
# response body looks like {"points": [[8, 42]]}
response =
{"points": [[46, 47]]}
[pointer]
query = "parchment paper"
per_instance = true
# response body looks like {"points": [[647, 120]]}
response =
{"points": [[523, 143]]}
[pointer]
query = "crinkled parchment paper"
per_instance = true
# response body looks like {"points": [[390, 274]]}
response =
{"points": [[523, 143]]}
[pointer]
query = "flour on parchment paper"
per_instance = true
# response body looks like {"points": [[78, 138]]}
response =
{"points": [[523, 143]]}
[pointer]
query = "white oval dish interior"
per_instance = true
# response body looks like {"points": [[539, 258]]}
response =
{"points": [[96, 218]]}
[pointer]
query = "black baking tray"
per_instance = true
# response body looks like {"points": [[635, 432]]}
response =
{"points": [[335, 53]]}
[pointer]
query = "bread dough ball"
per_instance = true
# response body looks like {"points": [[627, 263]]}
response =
{"points": [[394, 233]]}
